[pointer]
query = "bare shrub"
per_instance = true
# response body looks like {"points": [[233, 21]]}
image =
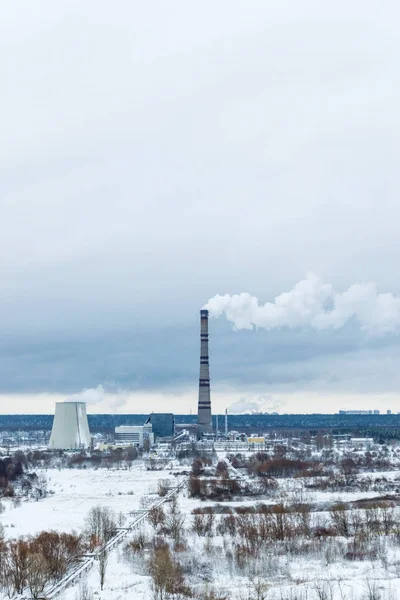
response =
{"points": [[259, 589], [340, 519], [211, 594], [221, 469], [323, 590], [202, 524], [40, 489], [195, 487], [227, 525], [156, 516], [84, 592], [163, 487], [138, 543], [16, 502], [175, 521], [372, 590], [167, 575]]}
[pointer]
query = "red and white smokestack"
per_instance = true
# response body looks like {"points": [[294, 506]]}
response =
{"points": [[204, 422]]}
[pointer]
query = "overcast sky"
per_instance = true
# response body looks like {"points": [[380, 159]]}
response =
{"points": [[156, 154]]}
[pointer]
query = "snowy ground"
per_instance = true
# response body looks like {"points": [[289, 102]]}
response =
{"points": [[298, 580], [73, 492]]}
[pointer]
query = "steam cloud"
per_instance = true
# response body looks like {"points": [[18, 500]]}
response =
{"points": [[312, 303], [255, 404], [89, 395], [113, 397]]}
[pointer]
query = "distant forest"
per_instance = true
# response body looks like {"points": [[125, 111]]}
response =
{"points": [[385, 426]]}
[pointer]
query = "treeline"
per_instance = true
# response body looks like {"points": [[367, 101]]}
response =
{"points": [[291, 462], [10, 470], [36, 561], [254, 527], [122, 456], [255, 538], [164, 556], [386, 426]]}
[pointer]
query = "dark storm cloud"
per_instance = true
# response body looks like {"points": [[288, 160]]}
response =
{"points": [[167, 359], [153, 156]]}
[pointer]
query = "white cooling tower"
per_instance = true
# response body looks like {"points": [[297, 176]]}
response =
{"points": [[70, 427]]}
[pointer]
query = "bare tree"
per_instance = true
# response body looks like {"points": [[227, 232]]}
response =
{"points": [[6, 581], [37, 574], [100, 525], [40, 488], [259, 589], [323, 590], [60, 550], [167, 575], [102, 566], [372, 590], [18, 564], [175, 521], [203, 522], [156, 516], [340, 519], [84, 593]]}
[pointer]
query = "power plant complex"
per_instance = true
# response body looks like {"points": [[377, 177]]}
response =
{"points": [[71, 429]]}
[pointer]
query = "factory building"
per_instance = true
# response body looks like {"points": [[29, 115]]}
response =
{"points": [[134, 435], [70, 427], [163, 424]]}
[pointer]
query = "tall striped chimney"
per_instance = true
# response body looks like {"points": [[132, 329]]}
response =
{"points": [[204, 423]]}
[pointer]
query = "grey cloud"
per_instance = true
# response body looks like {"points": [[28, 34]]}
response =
{"points": [[153, 156], [167, 359]]}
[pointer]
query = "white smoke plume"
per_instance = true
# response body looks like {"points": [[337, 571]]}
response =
{"points": [[89, 395], [108, 396], [255, 404], [312, 303]]}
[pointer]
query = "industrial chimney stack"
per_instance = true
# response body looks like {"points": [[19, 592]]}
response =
{"points": [[204, 423]]}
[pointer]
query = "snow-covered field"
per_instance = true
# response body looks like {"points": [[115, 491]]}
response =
{"points": [[73, 492]]}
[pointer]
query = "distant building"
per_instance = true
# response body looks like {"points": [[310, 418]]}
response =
{"points": [[359, 412], [361, 443], [163, 424], [134, 435], [256, 443]]}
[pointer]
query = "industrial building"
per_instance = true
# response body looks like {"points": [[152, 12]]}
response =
{"points": [[204, 421], [134, 435], [70, 427], [163, 424], [157, 426]]}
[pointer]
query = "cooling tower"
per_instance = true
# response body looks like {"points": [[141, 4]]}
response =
{"points": [[70, 427], [204, 423]]}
